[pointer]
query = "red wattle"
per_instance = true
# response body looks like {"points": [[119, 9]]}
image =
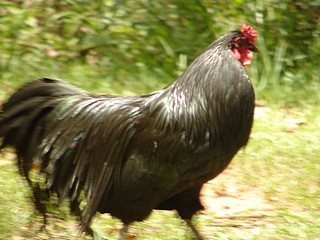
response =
{"points": [[243, 55]]}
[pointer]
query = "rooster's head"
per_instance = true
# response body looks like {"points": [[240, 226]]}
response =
{"points": [[243, 46]]}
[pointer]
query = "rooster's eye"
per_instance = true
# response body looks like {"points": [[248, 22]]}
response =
{"points": [[240, 42]]}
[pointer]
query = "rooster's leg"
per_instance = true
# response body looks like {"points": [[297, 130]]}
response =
{"points": [[124, 231], [193, 229]]}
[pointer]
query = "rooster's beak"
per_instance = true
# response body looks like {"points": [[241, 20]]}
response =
{"points": [[253, 48]]}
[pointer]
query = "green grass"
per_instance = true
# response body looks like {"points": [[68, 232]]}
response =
{"points": [[15, 210], [93, 78], [282, 161], [280, 167]]}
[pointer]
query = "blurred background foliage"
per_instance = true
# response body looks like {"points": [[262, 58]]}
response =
{"points": [[127, 47]]}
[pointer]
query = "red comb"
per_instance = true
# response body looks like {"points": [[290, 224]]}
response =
{"points": [[249, 33]]}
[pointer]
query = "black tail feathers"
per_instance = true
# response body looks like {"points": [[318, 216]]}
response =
{"points": [[21, 115], [22, 120]]}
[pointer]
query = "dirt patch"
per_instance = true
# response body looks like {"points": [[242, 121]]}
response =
{"points": [[225, 197], [7, 158]]}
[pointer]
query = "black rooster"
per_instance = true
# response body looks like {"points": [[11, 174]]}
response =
{"points": [[129, 155]]}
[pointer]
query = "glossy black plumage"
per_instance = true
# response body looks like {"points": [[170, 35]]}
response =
{"points": [[130, 155]]}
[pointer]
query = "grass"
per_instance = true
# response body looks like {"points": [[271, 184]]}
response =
{"points": [[282, 162], [270, 191], [93, 78]]}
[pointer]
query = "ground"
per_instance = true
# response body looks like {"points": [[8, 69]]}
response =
{"points": [[223, 197], [269, 191]]}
